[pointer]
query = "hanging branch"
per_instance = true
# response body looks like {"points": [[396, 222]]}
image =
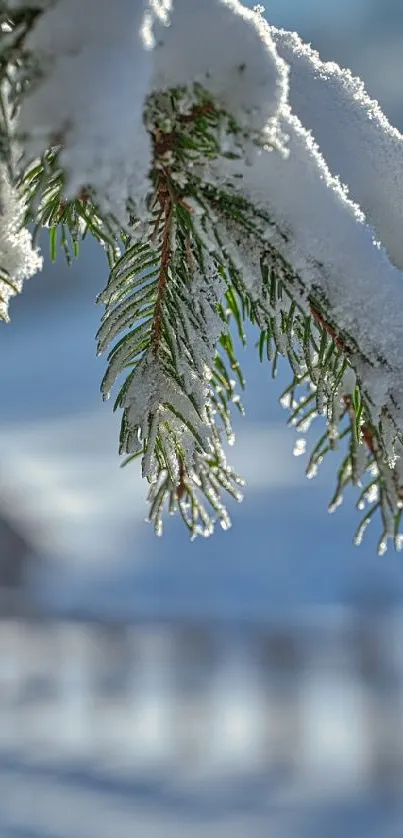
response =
{"points": [[195, 259]]}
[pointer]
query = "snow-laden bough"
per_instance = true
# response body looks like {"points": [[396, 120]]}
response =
{"points": [[230, 174]]}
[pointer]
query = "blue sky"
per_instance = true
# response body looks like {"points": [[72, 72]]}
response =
{"points": [[60, 472]]}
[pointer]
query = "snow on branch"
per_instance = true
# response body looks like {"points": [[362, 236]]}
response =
{"points": [[230, 175], [354, 136], [324, 238], [18, 258]]}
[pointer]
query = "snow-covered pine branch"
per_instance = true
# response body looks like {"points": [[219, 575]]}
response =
{"points": [[230, 175]]}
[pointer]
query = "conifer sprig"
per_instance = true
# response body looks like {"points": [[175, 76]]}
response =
{"points": [[189, 270]]}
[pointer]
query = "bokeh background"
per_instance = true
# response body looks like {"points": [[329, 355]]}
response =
{"points": [[252, 681]]}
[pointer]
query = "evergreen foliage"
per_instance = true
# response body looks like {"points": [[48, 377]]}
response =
{"points": [[185, 276]]}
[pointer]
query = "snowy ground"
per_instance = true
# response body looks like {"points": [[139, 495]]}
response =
{"points": [[55, 799]]}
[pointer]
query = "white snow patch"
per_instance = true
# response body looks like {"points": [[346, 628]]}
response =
{"points": [[19, 260], [229, 50], [97, 70], [354, 136]]}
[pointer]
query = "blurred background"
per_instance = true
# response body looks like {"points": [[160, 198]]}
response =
{"points": [[248, 684]]}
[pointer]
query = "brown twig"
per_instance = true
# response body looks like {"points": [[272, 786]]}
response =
{"points": [[328, 328], [166, 141], [181, 488], [82, 196], [165, 202]]}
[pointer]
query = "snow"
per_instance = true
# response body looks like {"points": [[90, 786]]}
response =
{"points": [[97, 69], [97, 76], [299, 447], [228, 49], [354, 136], [18, 258]]}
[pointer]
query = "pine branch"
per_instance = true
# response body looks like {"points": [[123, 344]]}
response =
{"points": [[293, 324], [189, 268], [18, 70], [196, 232], [166, 295]]}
